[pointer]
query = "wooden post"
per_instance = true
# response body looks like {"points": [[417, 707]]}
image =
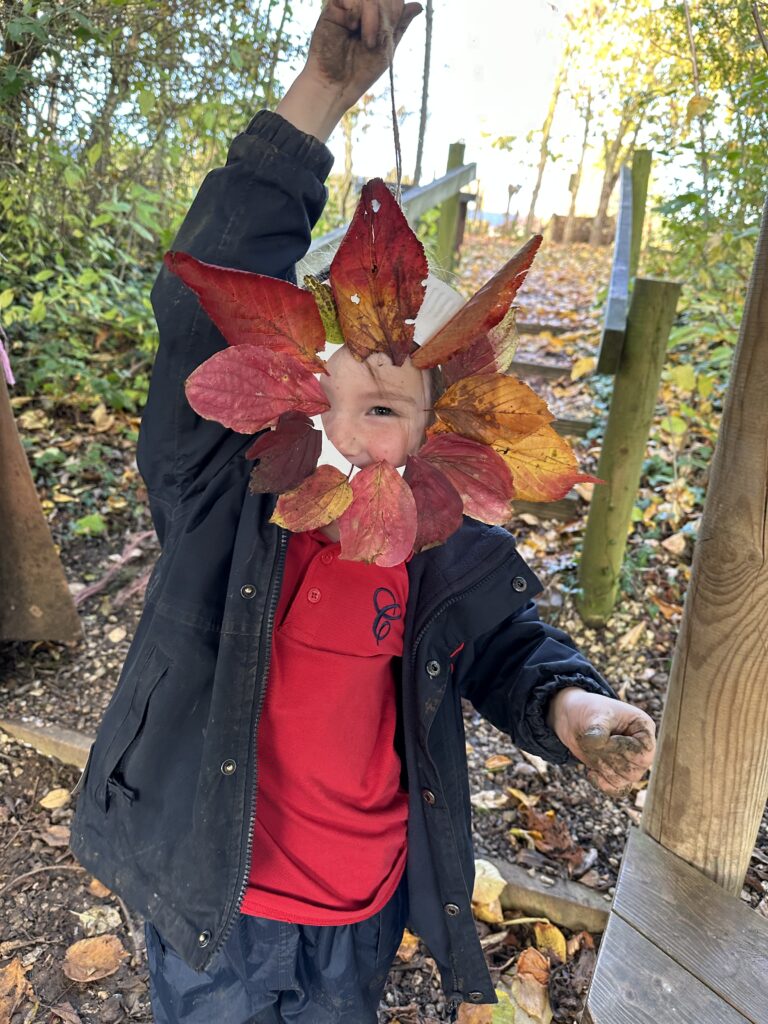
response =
{"points": [[449, 215], [641, 171], [35, 602], [626, 437], [709, 785]]}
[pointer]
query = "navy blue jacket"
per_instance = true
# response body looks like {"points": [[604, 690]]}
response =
{"points": [[167, 799]]}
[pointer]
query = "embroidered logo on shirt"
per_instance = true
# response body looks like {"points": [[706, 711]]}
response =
{"points": [[387, 611]]}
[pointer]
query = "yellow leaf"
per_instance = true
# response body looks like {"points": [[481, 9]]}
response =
{"points": [[409, 946], [631, 638], [542, 464], [683, 376], [524, 798], [582, 367], [496, 762], [676, 544], [550, 940], [492, 407], [55, 798], [101, 419], [62, 499], [488, 887], [697, 105]]}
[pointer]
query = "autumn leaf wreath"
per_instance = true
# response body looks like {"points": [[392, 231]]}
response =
{"points": [[491, 442]]}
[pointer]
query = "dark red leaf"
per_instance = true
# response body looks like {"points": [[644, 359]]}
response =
{"points": [[478, 473], [490, 353], [438, 503], [377, 276], [286, 455]]}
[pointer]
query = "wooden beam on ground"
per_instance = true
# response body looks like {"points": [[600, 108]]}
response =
{"points": [[35, 602], [537, 328], [549, 371], [68, 745], [615, 324], [574, 428], [565, 509], [567, 903], [709, 785]]}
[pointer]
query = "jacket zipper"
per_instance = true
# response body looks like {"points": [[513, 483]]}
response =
{"points": [[266, 646], [417, 640]]}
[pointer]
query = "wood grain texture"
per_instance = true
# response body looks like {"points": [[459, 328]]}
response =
{"points": [[35, 602], [716, 938], [709, 784], [635, 983]]}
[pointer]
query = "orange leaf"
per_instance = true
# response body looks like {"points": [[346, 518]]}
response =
{"points": [[317, 501], [492, 407], [484, 310], [380, 524], [543, 465], [534, 964], [252, 309], [490, 353], [378, 276]]}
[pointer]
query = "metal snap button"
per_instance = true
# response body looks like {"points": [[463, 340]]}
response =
{"points": [[475, 997], [451, 909], [433, 668], [203, 938], [248, 591], [428, 795], [313, 595], [228, 767], [519, 584]]}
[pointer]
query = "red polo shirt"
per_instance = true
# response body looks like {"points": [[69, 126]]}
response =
{"points": [[329, 844]]}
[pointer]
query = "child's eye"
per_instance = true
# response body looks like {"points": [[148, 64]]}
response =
{"points": [[383, 410]]}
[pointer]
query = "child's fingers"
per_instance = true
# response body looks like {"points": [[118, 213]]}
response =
{"points": [[606, 785], [370, 23]]}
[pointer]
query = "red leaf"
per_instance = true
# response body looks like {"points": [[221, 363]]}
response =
{"points": [[252, 309], [490, 353], [377, 277], [380, 524], [438, 503], [478, 473], [317, 501], [286, 455], [484, 310], [247, 387]]}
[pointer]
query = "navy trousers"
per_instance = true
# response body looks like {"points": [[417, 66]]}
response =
{"points": [[268, 972]]}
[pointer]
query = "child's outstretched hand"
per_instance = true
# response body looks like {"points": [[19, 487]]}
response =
{"points": [[616, 741], [351, 46]]}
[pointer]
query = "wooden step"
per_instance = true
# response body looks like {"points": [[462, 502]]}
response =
{"points": [[530, 368], [678, 947]]}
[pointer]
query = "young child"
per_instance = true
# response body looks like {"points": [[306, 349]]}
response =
{"points": [[279, 782]]}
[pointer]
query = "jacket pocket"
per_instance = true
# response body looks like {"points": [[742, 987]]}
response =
{"points": [[126, 736]]}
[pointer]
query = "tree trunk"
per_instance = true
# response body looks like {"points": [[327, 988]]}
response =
{"points": [[570, 220], [546, 129], [424, 95], [614, 158]]}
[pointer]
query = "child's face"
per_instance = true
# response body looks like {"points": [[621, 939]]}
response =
{"points": [[379, 411]]}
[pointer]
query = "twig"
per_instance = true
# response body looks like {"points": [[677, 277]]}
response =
{"points": [[137, 944], [137, 586], [36, 871], [131, 549], [759, 25]]}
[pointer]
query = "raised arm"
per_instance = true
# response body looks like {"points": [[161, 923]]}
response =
{"points": [[256, 213]]}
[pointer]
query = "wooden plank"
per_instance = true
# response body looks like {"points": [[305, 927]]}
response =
{"points": [[617, 304], [709, 785], [536, 328], [709, 933], [641, 172], [549, 371], [67, 745], [565, 508], [574, 428], [635, 983], [567, 903]]}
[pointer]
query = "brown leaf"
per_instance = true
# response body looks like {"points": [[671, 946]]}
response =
{"points": [[15, 989], [67, 1013], [91, 959], [56, 835], [97, 888], [492, 408], [55, 798], [534, 964], [409, 946]]}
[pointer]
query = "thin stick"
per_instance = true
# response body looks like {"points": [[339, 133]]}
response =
{"points": [[36, 871], [759, 25]]}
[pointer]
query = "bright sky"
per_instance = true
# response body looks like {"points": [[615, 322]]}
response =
{"points": [[492, 73]]}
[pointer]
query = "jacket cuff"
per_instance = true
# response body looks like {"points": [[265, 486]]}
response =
{"points": [[292, 142], [538, 706]]}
